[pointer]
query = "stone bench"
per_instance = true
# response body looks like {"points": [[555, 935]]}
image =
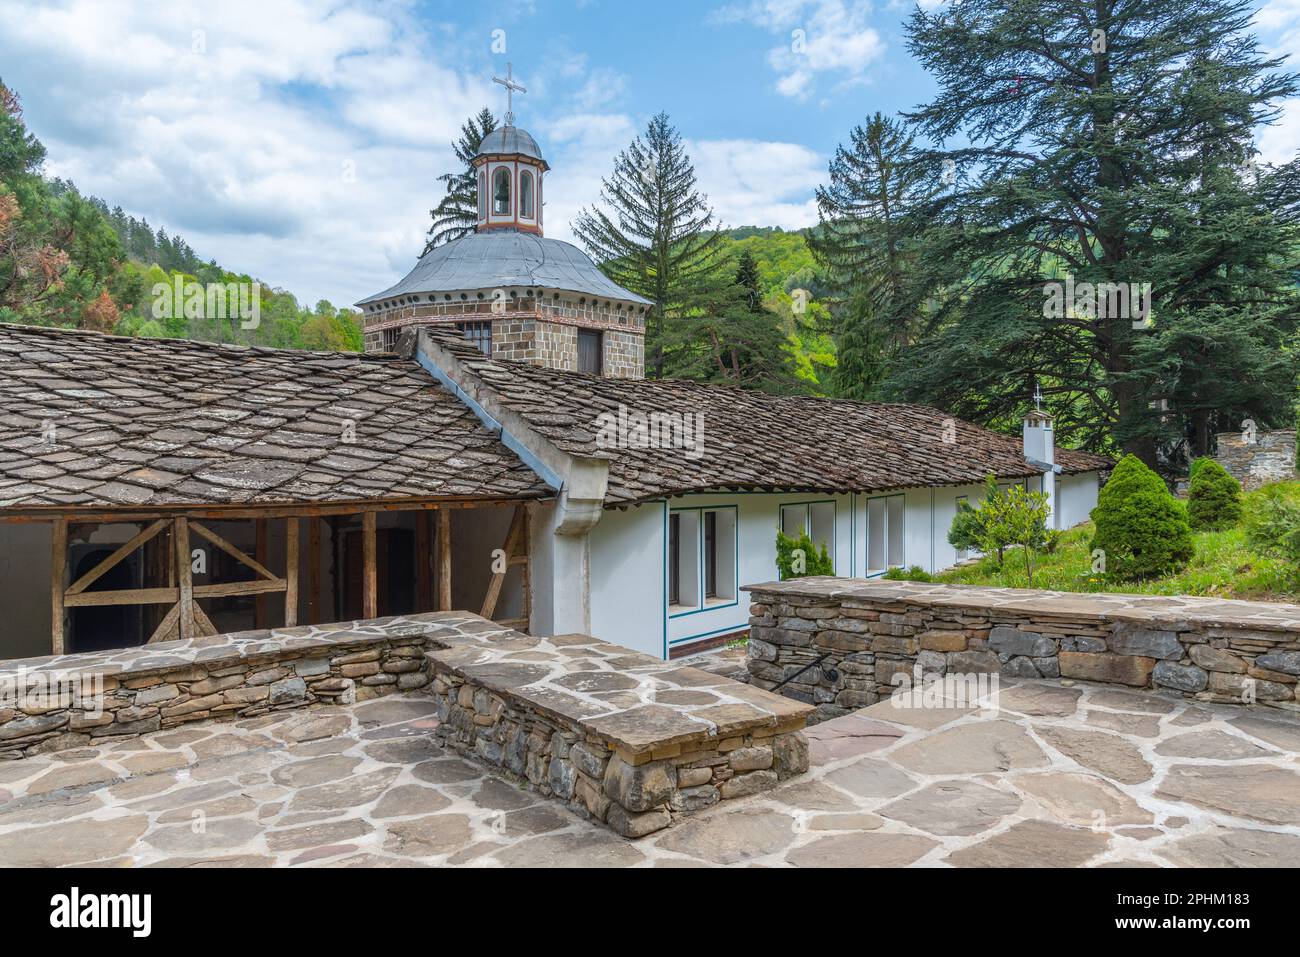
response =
{"points": [[627, 739], [843, 643]]}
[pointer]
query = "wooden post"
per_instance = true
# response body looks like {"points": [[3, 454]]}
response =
{"points": [[290, 572], [369, 604], [181, 533], [444, 560], [259, 553], [313, 570], [58, 567], [423, 563]]}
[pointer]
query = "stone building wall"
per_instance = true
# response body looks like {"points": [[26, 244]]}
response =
{"points": [[840, 645], [525, 328], [1255, 459], [624, 355]]}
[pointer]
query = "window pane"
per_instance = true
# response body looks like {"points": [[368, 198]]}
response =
{"points": [[720, 559], [821, 522], [962, 554], [876, 534], [479, 333], [794, 520], [589, 351], [687, 559], [526, 194], [895, 530], [482, 194]]}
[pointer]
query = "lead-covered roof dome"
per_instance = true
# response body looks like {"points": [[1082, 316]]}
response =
{"points": [[510, 140], [504, 258]]}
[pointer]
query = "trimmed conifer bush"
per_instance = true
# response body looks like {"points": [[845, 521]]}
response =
{"points": [[1140, 527], [1213, 497]]}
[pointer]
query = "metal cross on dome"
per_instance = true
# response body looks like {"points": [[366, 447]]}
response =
{"points": [[1038, 398], [511, 89]]}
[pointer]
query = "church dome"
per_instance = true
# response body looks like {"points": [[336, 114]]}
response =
{"points": [[501, 259], [510, 141]]}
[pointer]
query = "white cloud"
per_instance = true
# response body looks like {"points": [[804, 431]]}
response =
{"points": [[755, 183], [1279, 21], [833, 37], [300, 141]]}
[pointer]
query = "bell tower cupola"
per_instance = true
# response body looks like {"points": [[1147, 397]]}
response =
{"points": [[509, 168]]}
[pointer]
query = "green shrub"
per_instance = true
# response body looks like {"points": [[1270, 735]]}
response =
{"points": [[1272, 519], [1141, 529], [1005, 518], [1213, 497], [791, 553], [914, 574]]}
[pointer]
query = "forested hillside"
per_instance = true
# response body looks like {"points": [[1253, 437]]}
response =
{"points": [[69, 260]]}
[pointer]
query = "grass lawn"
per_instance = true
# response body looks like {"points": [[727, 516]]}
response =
{"points": [[1223, 566]]}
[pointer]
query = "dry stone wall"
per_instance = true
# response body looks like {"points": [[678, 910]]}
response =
{"points": [[1257, 458], [68, 701], [842, 645]]}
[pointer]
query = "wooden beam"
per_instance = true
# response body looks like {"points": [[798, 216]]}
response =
{"points": [[291, 526], [161, 596], [260, 548], [423, 562], [369, 603], [202, 623], [444, 561], [232, 551], [58, 566], [167, 627], [122, 551], [498, 578], [185, 620], [232, 512], [313, 570]]}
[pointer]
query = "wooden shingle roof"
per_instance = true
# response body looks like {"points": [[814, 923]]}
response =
{"points": [[752, 440], [90, 420]]}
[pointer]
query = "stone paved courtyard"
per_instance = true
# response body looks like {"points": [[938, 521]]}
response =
{"points": [[1057, 776]]}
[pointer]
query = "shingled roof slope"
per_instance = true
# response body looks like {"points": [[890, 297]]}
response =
{"points": [[168, 422], [752, 440]]}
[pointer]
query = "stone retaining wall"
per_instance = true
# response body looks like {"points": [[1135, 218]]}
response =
{"points": [[838, 644], [1257, 458], [68, 701], [623, 738]]}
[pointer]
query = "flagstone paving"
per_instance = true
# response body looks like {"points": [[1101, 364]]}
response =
{"points": [[1054, 776]]}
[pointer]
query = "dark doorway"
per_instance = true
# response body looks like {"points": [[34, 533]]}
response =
{"points": [[99, 627], [394, 573]]}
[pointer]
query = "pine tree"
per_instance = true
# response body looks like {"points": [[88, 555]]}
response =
{"points": [[1103, 141], [742, 342], [457, 212], [657, 236], [867, 238]]}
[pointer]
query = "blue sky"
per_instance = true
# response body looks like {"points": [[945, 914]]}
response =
{"points": [[300, 140]]}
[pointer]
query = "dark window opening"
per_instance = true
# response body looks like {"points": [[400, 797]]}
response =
{"points": [[589, 351], [479, 333], [674, 558], [710, 554]]}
